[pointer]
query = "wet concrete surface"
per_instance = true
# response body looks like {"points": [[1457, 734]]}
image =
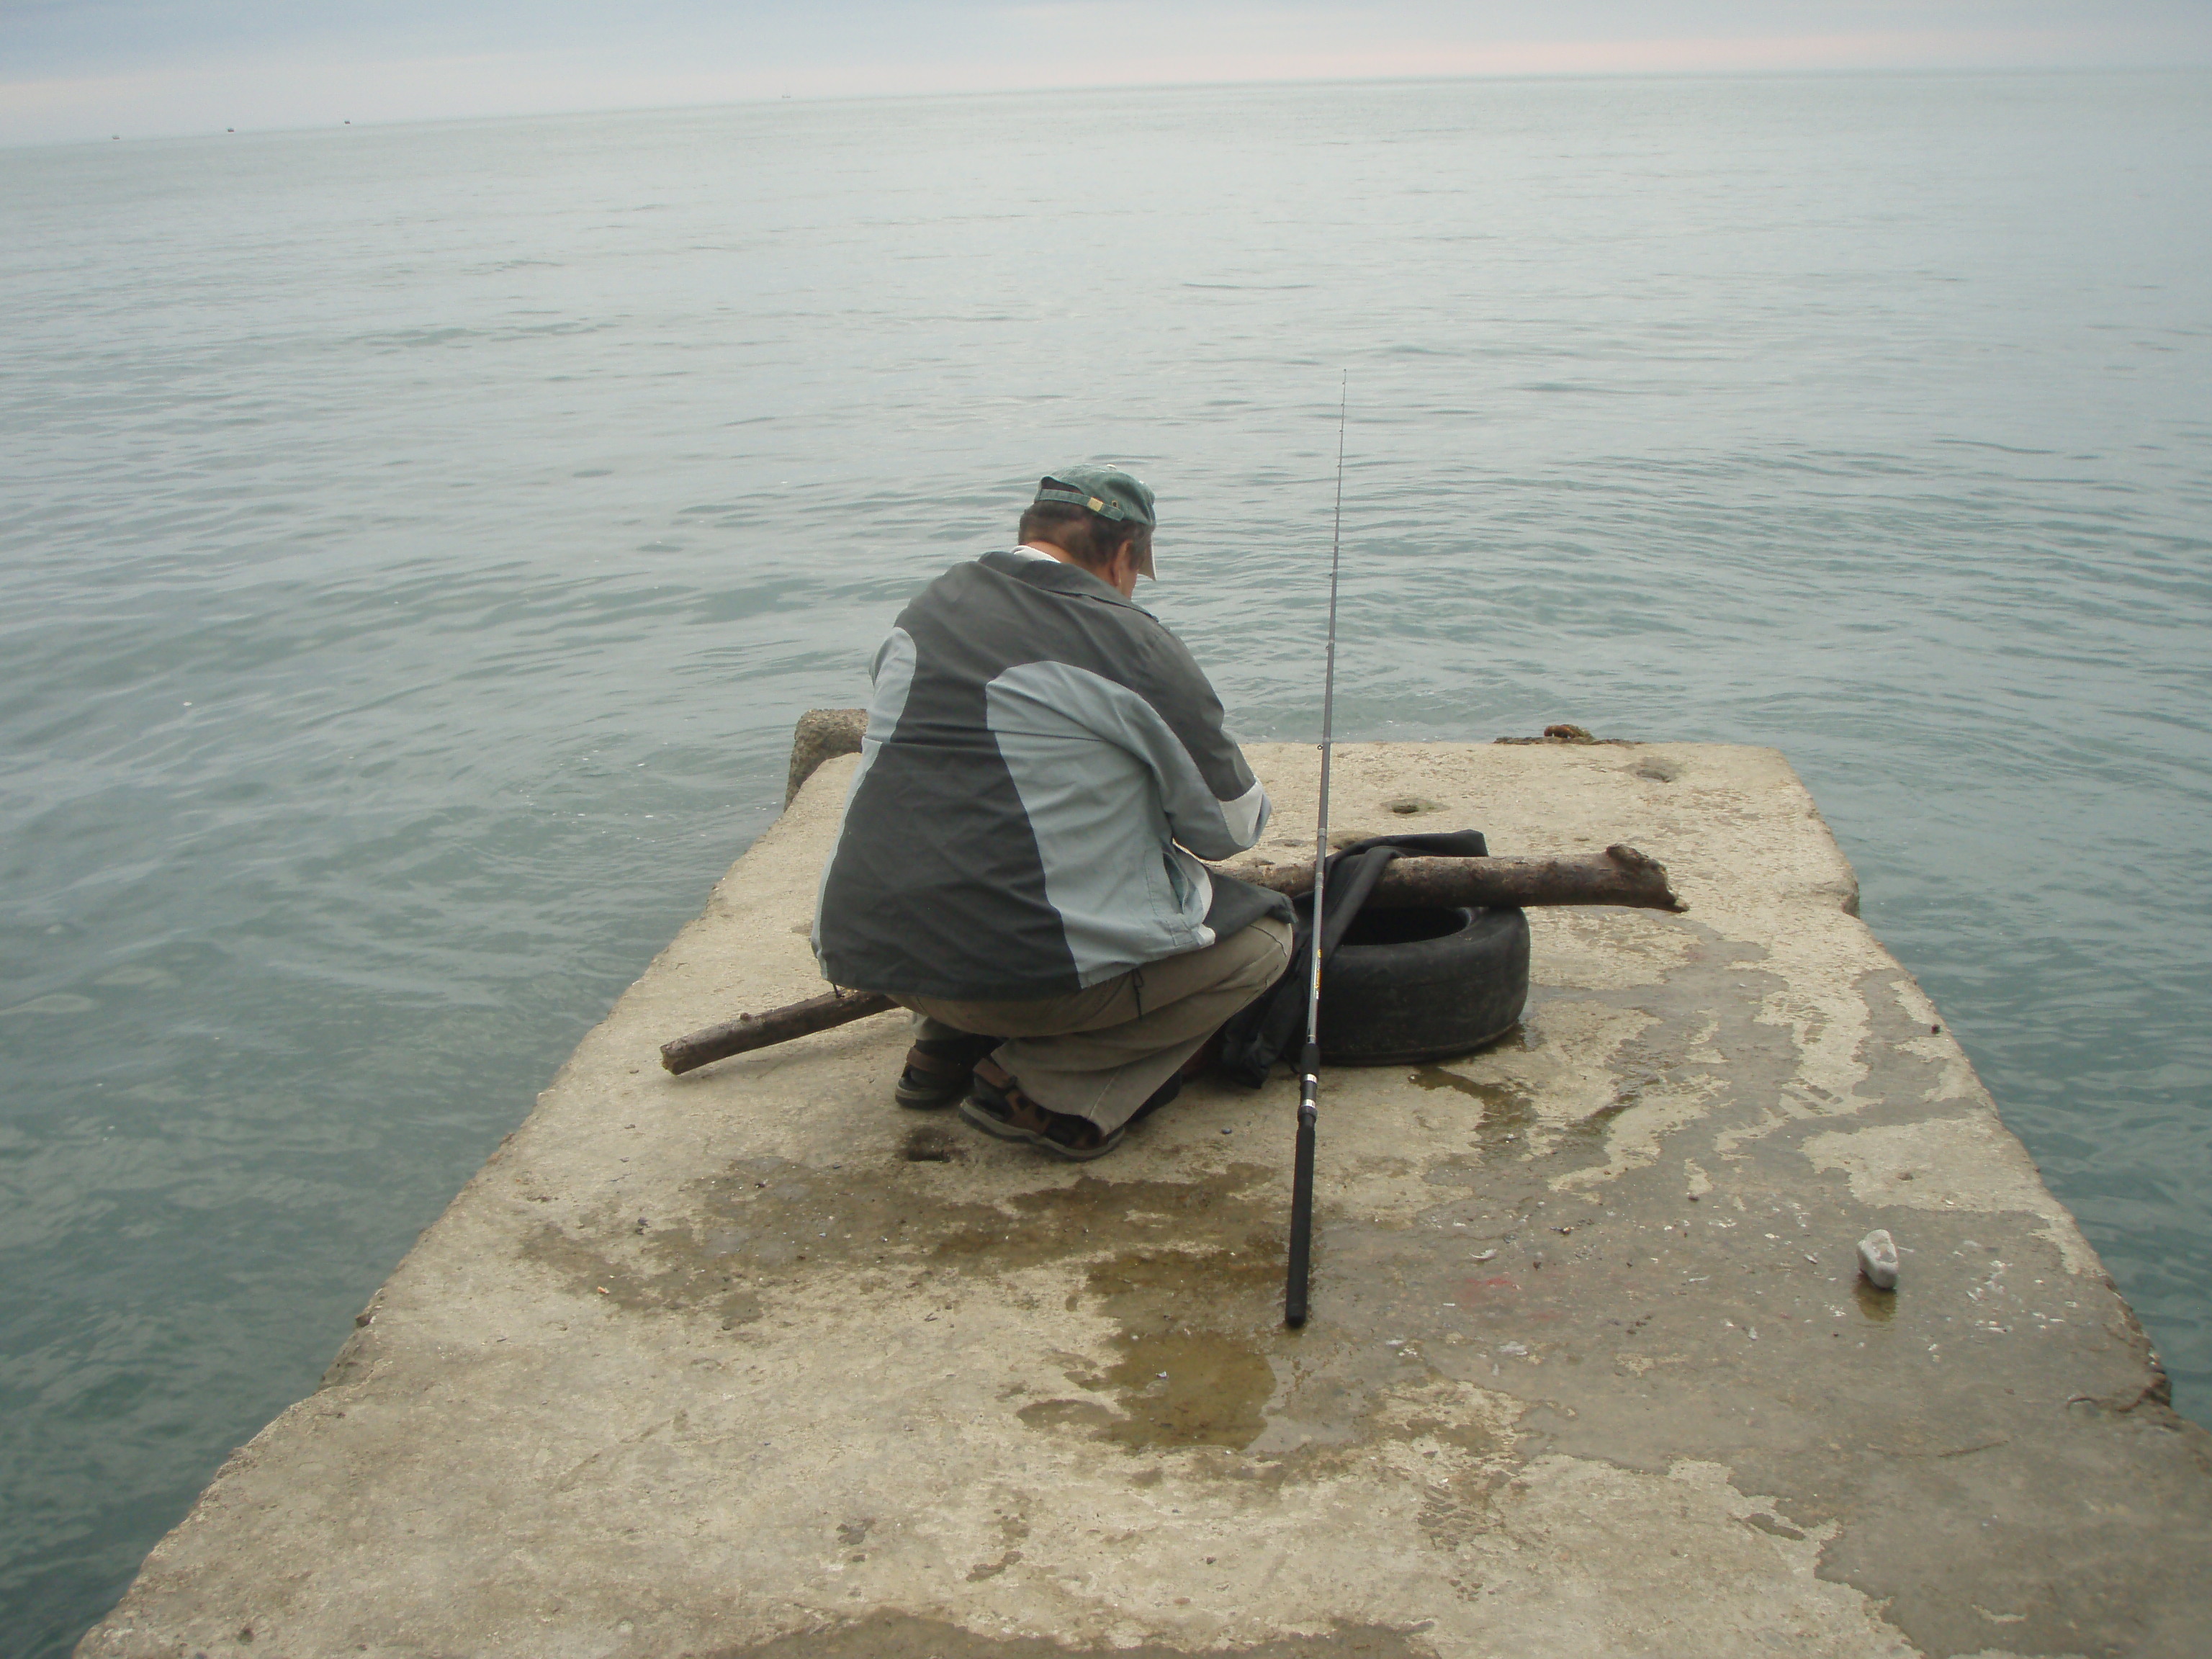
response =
{"points": [[900, 1636], [753, 1361]]}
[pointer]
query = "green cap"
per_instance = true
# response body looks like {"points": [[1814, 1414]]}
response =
{"points": [[1109, 492], [1106, 490]]}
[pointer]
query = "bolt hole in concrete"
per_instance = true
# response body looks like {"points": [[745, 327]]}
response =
{"points": [[931, 1145]]}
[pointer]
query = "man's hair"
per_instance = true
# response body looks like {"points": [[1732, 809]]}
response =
{"points": [[1092, 539]]}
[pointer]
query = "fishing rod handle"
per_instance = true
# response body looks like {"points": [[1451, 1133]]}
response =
{"points": [[1302, 1186]]}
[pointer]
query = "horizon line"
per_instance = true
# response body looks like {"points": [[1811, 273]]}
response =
{"points": [[1796, 72]]}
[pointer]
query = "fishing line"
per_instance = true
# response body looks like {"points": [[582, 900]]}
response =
{"points": [[1302, 1168]]}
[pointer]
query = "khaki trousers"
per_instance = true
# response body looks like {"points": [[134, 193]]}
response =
{"points": [[1099, 1053]]}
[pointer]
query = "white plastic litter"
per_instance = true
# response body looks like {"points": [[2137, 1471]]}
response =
{"points": [[1878, 1258]]}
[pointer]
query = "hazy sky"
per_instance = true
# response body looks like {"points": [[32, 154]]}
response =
{"points": [[75, 69]]}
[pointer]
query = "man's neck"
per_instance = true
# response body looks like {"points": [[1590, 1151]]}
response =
{"points": [[1122, 578]]}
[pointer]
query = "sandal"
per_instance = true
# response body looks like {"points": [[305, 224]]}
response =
{"points": [[937, 1072], [997, 1106]]}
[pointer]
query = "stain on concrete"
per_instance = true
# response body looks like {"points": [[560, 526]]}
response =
{"points": [[1879, 1306], [767, 1226], [1627, 1318], [1188, 1367], [1191, 1365], [1505, 1106]]}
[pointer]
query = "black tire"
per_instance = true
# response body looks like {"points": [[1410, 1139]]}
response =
{"points": [[1423, 984]]}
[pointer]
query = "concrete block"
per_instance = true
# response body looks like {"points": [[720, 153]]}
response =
{"points": [[751, 1362]]}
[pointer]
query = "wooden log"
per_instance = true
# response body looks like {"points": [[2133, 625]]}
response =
{"points": [[750, 1031], [1620, 875]]}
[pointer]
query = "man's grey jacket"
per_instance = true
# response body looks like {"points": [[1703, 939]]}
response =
{"points": [[1042, 758]]}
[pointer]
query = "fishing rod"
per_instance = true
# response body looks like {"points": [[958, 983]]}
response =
{"points": [[1301, 1167]]}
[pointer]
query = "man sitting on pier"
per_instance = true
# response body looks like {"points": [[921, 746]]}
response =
{"points": [[1042, 761]]}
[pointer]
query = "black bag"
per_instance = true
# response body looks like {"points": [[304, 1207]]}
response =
{"points": [[1275, 1025]]}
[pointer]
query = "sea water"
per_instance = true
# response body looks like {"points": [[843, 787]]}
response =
{"points": [[417, 544]]}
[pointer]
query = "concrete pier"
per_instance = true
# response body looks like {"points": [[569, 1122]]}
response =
{"points": [[751, 1362]]}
